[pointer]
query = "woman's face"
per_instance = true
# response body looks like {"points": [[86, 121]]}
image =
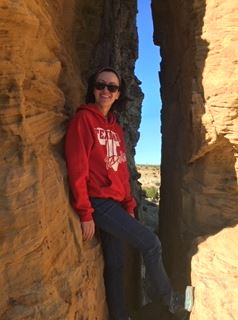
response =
{"points": [[105, 96]]}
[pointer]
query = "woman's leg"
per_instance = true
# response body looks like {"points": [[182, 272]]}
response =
{"points": [[113, 275], [112, 218]]}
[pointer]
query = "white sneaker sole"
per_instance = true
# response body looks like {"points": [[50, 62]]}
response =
{"points": [[189, 297]]}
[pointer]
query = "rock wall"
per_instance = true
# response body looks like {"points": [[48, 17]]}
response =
{"points": [[48, 49], [199, 192]]}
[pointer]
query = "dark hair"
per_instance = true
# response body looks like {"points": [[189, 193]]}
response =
{"points": [[119, 104]]}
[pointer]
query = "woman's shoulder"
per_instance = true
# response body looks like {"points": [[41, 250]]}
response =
{"points": [[83, 111], [80, 116]]}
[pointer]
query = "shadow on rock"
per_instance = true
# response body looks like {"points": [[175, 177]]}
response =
{"points": [[153, 311]]}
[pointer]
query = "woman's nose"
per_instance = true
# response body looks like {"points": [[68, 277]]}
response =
{"points": [[105, 89]]}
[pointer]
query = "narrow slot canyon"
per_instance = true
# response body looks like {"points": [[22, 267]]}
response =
{"points": [[48, 51]]}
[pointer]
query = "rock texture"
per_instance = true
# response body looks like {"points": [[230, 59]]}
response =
{"points": [[48, 49], [199, 191], [215, 276]]}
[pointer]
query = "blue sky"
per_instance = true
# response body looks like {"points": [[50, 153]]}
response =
{"points": [[147, 67]]}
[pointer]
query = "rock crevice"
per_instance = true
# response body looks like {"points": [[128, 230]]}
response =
{"points": [[48, 50]]}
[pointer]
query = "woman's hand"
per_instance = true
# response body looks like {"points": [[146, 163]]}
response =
{"points": [[88, 229]]}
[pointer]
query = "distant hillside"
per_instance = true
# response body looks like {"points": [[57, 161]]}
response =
{"points": [[150, 175]]}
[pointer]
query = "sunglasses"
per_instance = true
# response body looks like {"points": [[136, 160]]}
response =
{"points": [[110, 87]]}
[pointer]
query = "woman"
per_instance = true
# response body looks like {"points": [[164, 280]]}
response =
{"points": [[99, 179]]}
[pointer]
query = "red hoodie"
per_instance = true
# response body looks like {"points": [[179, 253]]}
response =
{"points": [[96, 160]]}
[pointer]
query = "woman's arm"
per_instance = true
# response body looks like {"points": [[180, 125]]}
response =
{"points": [[79, 141], [129, 202]]}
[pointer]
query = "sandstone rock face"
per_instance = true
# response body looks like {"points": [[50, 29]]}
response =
{"points": [[48, 48], [214, 275], [199, 81]]}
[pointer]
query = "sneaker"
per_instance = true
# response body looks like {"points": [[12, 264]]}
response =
{"points": [[189, 296], [181, 304]]}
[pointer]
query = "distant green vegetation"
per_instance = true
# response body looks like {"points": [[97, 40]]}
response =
{"points": [[151, 192]]}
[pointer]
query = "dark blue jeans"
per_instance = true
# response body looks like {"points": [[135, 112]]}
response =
{"points": [[116, 227]]}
